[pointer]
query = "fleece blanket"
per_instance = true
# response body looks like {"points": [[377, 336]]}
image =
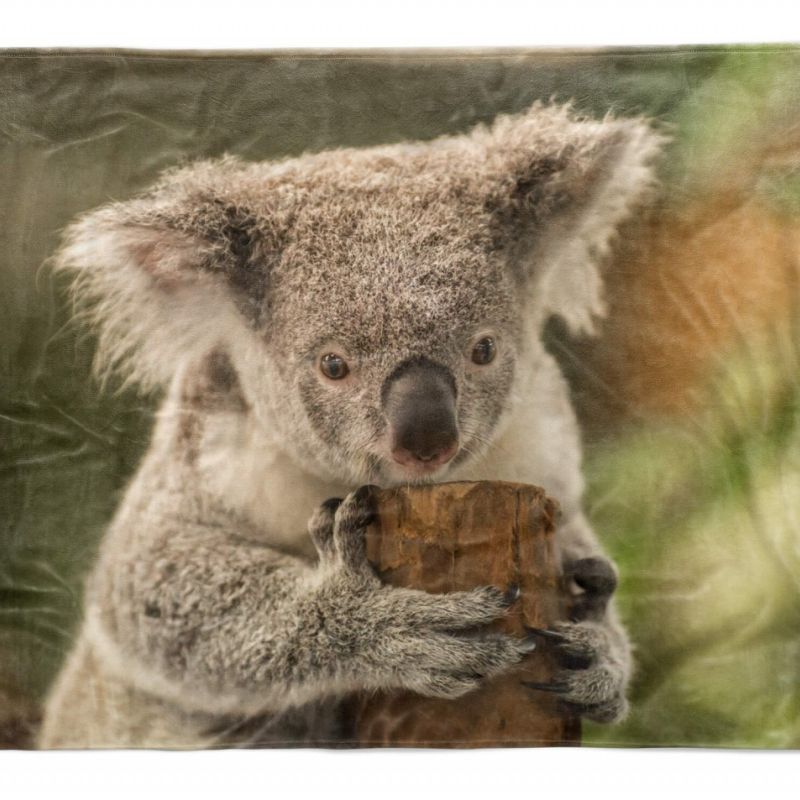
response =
{"points": [[441, 398]]}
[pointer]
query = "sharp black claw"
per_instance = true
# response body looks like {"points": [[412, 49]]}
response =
{"points": [[512, 594], [553, 636], [554, 688]]}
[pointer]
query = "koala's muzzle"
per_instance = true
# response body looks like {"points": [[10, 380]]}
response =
{"points": [[419, 401]]}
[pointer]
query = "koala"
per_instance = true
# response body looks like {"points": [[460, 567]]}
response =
{"points": [[321, 325]]}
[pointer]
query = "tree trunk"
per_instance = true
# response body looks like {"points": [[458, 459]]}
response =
{"points": [[456, 536]]}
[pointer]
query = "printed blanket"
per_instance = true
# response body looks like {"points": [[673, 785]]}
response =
{"points": [[400, 398]]}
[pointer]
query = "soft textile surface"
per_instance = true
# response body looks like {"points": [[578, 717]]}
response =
{"points": [[687, 398]]}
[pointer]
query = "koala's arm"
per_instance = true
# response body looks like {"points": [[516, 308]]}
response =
{"points": [[226, 625]]}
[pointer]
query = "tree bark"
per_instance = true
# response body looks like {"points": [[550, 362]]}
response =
{"points": [[453, 537]]}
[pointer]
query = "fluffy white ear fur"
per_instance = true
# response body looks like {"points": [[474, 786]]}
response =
{"points": [[139, 288], [612, 177]]}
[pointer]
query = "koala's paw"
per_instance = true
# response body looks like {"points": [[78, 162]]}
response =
{"points": [[338, 529], [433, 644], [591, 679]]}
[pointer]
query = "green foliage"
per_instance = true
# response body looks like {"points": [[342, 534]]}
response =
{"points": [[704, 519]]}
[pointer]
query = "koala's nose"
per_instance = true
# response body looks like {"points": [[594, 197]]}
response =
{"points": [[419, 401]]}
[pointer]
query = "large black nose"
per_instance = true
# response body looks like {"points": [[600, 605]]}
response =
{"points": [[419, 401]]}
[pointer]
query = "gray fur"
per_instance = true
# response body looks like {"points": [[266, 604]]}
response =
{"points": [[214, 608]]}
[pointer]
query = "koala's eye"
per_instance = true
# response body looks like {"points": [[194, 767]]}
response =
{"points": [[333, 366], [484, 351]]}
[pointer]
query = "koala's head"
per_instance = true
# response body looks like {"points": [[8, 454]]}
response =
{"points": [[379, 306]]}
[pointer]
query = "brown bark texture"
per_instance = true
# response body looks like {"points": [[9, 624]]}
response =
{"points": [[458, 536]]}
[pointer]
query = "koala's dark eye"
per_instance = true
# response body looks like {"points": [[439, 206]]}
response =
{"points": [[484, 351], [333, 366]]}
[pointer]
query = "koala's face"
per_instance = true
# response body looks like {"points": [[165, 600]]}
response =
{"points": [[393, 349], [379, 305]]}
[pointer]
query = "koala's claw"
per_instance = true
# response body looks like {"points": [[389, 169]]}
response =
{"points": [[546, 633], [512, 594], [556, 688]]}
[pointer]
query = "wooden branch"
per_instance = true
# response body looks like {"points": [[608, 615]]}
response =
{"points": [[458, 536]]}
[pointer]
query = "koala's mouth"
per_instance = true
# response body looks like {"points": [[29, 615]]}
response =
{"points": [[393, 472], [428, 459], [386, 469]]}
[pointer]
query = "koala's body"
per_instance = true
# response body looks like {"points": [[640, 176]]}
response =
{"points": [[340, 319]]}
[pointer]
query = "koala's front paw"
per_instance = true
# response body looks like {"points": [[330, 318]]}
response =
{"points": [[435, 645], [591, 679], [338, 529]]}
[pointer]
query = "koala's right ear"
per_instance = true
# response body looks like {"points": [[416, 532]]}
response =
{"points": [[168, 276], [562, 186]]}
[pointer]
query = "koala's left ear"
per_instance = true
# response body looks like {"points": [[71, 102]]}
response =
{"points": [[563, 187], [173, 273]]}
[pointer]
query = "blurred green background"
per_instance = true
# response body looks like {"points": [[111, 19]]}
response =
{"points": [[699, 506]]}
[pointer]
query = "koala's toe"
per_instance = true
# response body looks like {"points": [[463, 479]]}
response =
{"points": [[357, 510], [331, 504], [594, 582], [352, 517], [581, 640], [609, 712], [596, 693], [594, 575]]}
